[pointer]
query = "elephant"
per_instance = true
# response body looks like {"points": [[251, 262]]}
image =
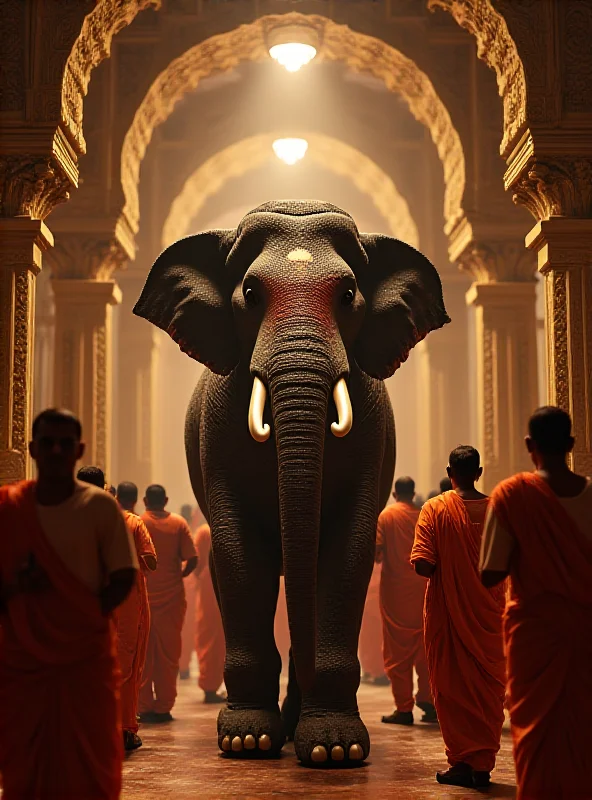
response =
{"points": [[290, 445]]}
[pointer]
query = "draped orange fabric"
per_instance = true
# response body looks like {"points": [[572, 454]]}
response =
{"points": [[188, 632], [209, 633], [60, 728], [463, 630], [370, 646], [133, 625], [173, 544], [402, 595], [281, 627], [548, 632]]}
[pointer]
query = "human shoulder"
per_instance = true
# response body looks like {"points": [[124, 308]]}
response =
{"points": [[95, 499]]}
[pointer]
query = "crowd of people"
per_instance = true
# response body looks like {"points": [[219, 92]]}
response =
{"points": [[485, 602]]}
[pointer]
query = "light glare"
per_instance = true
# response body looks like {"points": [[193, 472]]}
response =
{"points": [[290, 150], [293, 55]]}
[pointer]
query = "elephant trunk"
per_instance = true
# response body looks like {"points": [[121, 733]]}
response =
{"points": [[300, 383]]}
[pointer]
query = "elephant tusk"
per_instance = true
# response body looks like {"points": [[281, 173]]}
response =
{"points": [[344, 410], [257, 429]]}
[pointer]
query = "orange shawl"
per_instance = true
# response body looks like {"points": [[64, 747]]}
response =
{"points": [[60, 732]]}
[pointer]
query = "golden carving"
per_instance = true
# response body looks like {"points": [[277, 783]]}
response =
{"points": [[496, 47], [101, 400], [505, 260], [247, 43], [556, 187], [81, 256], [252, 152], [31, 186], [90, 48]]}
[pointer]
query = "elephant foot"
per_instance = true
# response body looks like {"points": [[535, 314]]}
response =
{"points": [[250, 733], [331, 739]]}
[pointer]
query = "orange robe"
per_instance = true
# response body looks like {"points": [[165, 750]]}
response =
{"points": [[402, 594], [60, 729], [133, 625], [188, 632], [209, 633], [370, 646], [463, 631], [173, 544], [281, 627], [548, 632]]}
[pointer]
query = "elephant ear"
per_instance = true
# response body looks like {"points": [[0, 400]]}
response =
{"points": [[188, 295], [404, 303]]}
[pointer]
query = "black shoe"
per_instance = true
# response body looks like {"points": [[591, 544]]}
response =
{"points": [[146, 717], [184, 674], [399, 718], [460, 774], [214, 697], [481, 780], [131, 741], [159, 717], [382, 680], [429, 712]]}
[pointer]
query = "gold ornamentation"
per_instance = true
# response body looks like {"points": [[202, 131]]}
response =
{"points": [[556, 187], [31, 186], [101, 400], [496, 47], [251, 153], [339, 43], [556, 287], [90, 48]]}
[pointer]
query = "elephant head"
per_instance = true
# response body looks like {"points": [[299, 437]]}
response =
{"points": [[298, 295]]}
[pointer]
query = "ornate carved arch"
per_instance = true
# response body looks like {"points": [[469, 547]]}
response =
{"points": [[248, 43], [496, 47], [92, 45], [250, 153]]}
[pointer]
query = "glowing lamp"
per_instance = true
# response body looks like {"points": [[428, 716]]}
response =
{"points": [[290, 151], [293, 46]]}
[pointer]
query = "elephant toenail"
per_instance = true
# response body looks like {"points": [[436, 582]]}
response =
{"points": [[264, 742], [250, 742], [237, 744], [337, 753], [319, 754], [356, 753], [226, 746]]}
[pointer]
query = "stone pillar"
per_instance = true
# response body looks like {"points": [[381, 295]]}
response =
{"points": [[136, 407], [83, 356], [22, 241], [506, 374], [443, 387], [564, 251]]}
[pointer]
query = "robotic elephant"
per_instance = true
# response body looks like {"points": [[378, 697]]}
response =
{"points": [[290, 444]]}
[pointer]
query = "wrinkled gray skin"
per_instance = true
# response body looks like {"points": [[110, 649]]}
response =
{"points": [[303, 501]]}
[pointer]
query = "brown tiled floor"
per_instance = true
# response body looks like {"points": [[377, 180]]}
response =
{"points": [[181, 760]]}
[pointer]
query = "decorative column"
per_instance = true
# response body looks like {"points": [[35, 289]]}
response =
{"points": [[564, 250], [503, 295], [136, 406], [22, 240], [83, 360]]}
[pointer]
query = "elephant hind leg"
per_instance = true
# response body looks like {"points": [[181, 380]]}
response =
{"points": [[292, 703]]}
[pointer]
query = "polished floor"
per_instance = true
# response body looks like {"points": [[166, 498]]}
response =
{"points": [[180, 760]]}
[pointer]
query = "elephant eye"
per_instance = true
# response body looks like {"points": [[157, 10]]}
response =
{"points": [[251, 298], [348, 298]]}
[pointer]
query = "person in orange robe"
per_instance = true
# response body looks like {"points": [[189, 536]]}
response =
{"points": [[173, 544], [281, 627], [209, 633], [402, 595], [463, 625], [539, 530], [194, 519], [133, 618], [370, 645], [66, 562]]}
